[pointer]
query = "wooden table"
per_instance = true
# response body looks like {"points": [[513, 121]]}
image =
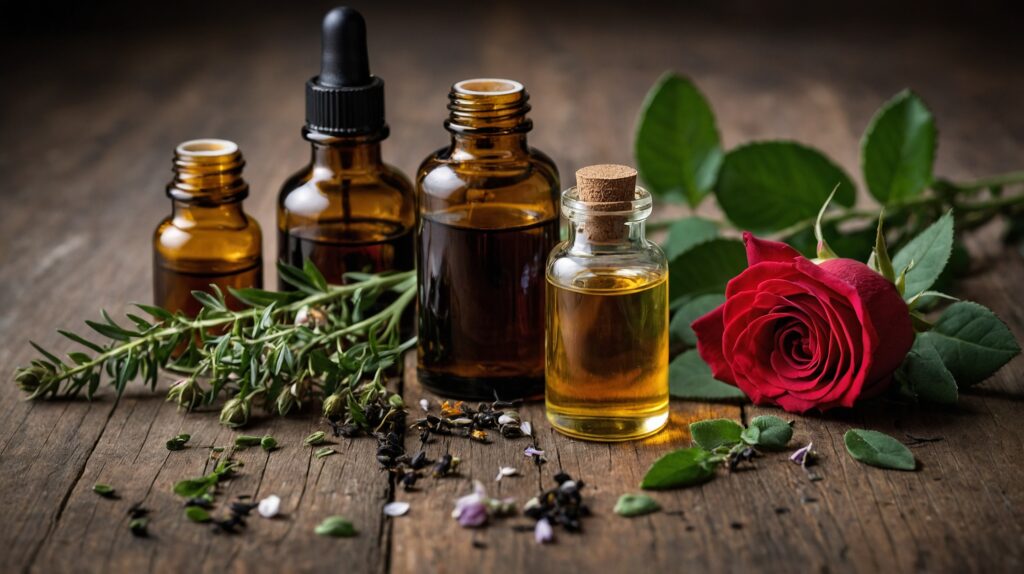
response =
{"points": [[83, 161]]}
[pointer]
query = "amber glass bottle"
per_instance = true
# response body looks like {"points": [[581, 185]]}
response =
{"points": [[488, 207], [208, 238], [607, 314], [346, 210]]}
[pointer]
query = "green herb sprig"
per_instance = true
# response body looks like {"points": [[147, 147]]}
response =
{"points": [[323, 342]]}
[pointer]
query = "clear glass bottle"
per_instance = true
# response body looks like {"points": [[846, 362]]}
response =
{"points": [[208, 238], [607, 315], [488, 206], [346, 210]]}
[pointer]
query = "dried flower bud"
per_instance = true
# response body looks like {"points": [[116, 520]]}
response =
{"points": [[311, 317], [186, 393], [333, 406], [235, 412], [284, 403], [31, 379]]}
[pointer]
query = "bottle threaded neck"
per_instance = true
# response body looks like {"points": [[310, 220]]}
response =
{"points": [[488, 106], [208, 170]]}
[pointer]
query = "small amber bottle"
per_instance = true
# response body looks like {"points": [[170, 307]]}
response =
{"points": [[346, 210], [488, 206], [607, 313], [208, 238]]}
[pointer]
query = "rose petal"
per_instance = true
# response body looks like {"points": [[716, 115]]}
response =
{"points": [[543, 533], [397, 508], [269, 507]]}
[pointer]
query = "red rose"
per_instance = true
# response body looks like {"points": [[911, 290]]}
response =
{"points": [[803, 335]]}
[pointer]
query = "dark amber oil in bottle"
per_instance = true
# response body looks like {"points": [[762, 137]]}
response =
{"points": [[346, 210], [488, 218], [208, 238]]}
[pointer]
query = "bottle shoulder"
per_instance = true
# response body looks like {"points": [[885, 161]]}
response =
{"points": [[444, 180], [181, 238], [642, 265]]}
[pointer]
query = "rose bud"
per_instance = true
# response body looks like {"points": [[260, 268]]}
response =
{"points": [[333, 406], [235, 412], [802, 335], [186, 393]]}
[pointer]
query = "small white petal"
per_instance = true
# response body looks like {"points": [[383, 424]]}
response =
{"points": [[543, 533], [505, 471], [425, 405], [269, 506], [506, 420], [397, 508], [526, 427]]}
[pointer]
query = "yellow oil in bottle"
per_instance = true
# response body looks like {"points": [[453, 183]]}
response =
{"points": [[607, 354]]}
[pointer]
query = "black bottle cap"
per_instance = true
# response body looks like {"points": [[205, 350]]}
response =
{"points": [[345, 100]]}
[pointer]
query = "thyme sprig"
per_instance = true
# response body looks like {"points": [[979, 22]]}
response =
{"points": [[323, 342]]}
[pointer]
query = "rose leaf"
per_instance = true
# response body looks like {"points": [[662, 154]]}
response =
{"points": [[972, 341], [637, 504], [930, 252], [768, 432], [925, 376], [679, 329], [705, 268], [690, 378], [768, 186], [898, 149], [878, 449], [681, 468], [678, 151], [687, 232], [713, 433]]}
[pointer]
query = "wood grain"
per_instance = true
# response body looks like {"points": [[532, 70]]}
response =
{"points": [[84, 157]]}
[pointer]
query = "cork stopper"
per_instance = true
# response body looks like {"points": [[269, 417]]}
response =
{"points": [[614, 188]]}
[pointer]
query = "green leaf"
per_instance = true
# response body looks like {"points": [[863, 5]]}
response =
{"points": [[679, 329], [925, 376], [209, 301], [690, 378], [104, 490], [898, 149], [973, 342], [687, 232], [315, 277], [678, 151], [636, 504], [681, 468], [878, 449], [268, 443], [195, 487], [197, 514], [768, 432], [336, 526], [929, 251], [706, 268], [713, 433], [768, 186]]}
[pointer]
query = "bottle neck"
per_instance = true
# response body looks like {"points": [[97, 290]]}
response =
{"points": [[208, 173], [186, 214], [610, 237], [487, 118], [344, 153]]}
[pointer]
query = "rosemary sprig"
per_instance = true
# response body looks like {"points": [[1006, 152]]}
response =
{"points": [[326, 342]]}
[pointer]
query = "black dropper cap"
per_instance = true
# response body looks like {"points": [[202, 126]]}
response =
{"points": [[345, 100]]}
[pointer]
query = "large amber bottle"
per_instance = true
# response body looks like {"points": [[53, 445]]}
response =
{"points": [[488, 206], [208, 238], [346, 210]]}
